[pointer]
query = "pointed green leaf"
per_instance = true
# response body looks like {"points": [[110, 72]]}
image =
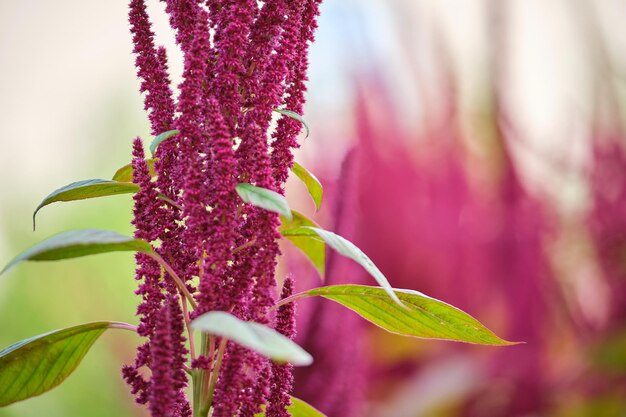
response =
{"points": [[160, 138], [125, 173], [348, 249], [422, 316], [264, 198], [254, 336], [82, 190], [36, 365], [78, 243], [295, 116], [313, 185], [304, 239], [298, 408]]}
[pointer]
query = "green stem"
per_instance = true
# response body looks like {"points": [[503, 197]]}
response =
{"points": [[290, 299], [124, 326], [192, 343], [179, 283], [244, 246], [214, 376], [197, 380]]}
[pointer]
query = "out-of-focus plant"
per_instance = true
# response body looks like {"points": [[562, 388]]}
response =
{"points": [[209, 209], [548, 265]]}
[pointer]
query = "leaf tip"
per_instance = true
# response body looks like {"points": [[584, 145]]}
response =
{"points": [[160, 138]]}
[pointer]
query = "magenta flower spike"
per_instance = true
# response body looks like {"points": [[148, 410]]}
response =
{"points": [[238, 67], [281, 384]]}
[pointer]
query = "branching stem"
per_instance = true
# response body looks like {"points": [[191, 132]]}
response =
{"points": [[179, 283]]}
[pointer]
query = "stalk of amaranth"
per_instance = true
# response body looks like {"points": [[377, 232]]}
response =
{"points": [[242, 60]]}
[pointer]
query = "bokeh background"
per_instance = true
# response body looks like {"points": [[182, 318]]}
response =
{"points": [[473, 148]]}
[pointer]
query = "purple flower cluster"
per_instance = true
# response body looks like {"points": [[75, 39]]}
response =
{"points": [[242, 60]]}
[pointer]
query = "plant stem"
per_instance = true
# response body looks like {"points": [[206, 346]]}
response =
{"points": [[244, 246], [290, 299], [214, 376], [179, 283], [192, 342], [197, 376], [123, 326], [170, 202], [198, 381]]}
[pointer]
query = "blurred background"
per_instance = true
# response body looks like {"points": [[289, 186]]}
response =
{"points": [[474, 149]]}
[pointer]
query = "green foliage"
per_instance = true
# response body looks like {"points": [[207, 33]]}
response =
{"points": [[307, 241], [82, 190], [36, 365], [264, 198], [295, 116], [125, 173], [420, 316], [348, 249], [76, 243], [298, 408], [313, 185], [255, 336], [160, 138]]}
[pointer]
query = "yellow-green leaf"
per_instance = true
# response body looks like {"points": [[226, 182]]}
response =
{"points": [[76, 243], [422, 316], [313, 185], [125, 173], [36, 365], [85, 189], [298, 408], [348, 249], [307, 241]]}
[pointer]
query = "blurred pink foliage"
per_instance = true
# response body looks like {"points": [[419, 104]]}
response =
{"points": [[417, 206]]}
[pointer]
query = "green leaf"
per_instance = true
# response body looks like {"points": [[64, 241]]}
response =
{"points": [[125, 173], [160, 138], [254, 336], [82, 190], [76, 243], [304, 239], [348, 249], [36, 365], [264, 198], [295, 116], [313, 185], [298, 408], [421, 316]]}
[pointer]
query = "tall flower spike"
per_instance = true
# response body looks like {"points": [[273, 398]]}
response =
{"points": [[237, 57], [151, 64], [230, 382], [152, 69], [281, 384], [193, 138], [179, 356], [231, 37], [162, 393], [284, 138], [146, 212], [183, 19], [223, 226]]}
